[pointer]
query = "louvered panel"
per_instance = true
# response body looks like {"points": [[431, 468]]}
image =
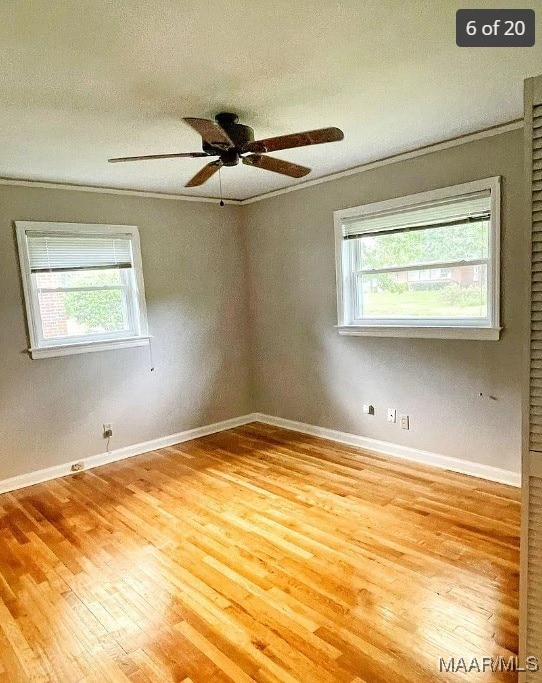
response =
{"points": [[535, 148], [534, 570], [531, 582]]}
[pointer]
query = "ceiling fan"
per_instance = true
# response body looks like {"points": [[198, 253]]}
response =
{"points": [[232, 142]]}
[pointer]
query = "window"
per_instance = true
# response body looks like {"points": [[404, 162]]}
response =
{"points": [[426, 265], [83, 286]]}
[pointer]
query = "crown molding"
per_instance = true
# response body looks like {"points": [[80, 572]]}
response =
{"points": [[24, 182], [392, 159]]}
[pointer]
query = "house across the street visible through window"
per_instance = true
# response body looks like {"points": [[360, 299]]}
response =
{"points": [[428, 262]]}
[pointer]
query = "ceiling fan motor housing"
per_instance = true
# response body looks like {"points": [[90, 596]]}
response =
{"points": [[238, 133]]}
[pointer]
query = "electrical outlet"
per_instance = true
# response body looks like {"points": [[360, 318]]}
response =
{"points": [[405, 422], [108, 431], [368, 409], [77, 467], [392, 415]]}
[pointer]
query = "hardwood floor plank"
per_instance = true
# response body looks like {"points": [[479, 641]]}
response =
{"points": [[257, 554]]}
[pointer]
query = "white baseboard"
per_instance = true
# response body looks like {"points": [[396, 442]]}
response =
{"points": [[382, 447], [443, 462], [56, 471]]}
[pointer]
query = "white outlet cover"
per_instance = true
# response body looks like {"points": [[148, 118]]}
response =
{"points": [[405, 422], [392, 415]]}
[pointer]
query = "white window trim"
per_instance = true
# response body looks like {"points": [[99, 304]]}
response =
{"points": [[78, 345], [437, 328]]}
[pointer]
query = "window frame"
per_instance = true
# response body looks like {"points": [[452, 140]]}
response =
{"points": [[441, 328], [62, 346]]}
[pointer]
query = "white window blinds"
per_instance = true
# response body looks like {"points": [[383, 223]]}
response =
{"points": [[69, 251], [466, 209]]}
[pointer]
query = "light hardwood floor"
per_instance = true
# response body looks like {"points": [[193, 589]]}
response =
{"points": [[257, 554]]}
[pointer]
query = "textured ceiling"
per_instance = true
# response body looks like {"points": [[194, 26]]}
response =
{"points": [[83, 80]]}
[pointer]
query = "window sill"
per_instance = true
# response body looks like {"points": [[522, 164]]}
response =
{"points": [[87, 347], [473, 333]]}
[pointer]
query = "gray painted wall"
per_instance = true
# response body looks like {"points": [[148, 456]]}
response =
{"points": [[52, 410], [303, 370], [214, 360]]}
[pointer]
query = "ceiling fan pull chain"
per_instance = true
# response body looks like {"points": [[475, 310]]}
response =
{"points": [[220, 184]]}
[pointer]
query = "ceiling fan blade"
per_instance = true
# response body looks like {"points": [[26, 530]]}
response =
{"points": [[211, 132], [276, 165], [205, 173], [309, 137], [159, 156]]}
